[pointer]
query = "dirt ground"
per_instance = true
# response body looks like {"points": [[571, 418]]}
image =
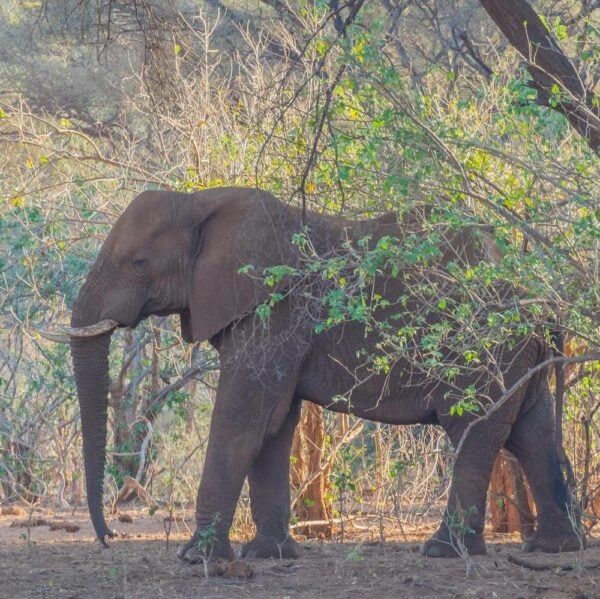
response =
{"points": [[63, 564]]}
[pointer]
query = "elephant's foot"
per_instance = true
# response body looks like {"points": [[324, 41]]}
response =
{"points": [[440, 545], [195, 550], [553, 540], [264, 546]]}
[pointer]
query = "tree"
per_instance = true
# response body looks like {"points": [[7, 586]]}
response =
{"points": [[555, 78]]}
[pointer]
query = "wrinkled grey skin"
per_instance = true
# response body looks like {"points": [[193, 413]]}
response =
{"points": [[175, 253]]}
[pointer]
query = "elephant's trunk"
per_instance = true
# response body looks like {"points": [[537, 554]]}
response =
{"points": [[90, 363]]}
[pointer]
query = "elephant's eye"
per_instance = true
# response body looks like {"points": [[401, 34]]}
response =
{"points": [[140, 263]]}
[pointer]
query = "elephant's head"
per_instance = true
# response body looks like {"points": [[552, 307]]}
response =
{"points": [[169, 253]]}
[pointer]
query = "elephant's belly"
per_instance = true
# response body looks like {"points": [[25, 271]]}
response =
{"points": [[392, 398], [398, 411]]}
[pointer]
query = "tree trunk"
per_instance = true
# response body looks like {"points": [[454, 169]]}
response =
{"points": [[510, 500], [551, 69], [307, 454], [379, 457]]}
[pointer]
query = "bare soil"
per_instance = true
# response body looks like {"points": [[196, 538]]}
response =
{"points": [[62, 564]]}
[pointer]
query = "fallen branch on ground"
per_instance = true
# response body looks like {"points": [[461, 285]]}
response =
{"points": [[130, 486]]}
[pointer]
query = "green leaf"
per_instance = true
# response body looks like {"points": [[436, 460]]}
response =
{"points": [[263, 311]]}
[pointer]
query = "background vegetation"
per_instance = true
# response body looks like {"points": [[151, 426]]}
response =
{"points": [[357, 108]]}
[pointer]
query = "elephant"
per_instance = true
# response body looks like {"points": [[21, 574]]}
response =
{"points": [[185, 253]]}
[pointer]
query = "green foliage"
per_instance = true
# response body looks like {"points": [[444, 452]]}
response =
{"points": [[274, 274], [205, 539], [458, 521], [467, 404], [343, 481], [355, 555], [467, 156]]}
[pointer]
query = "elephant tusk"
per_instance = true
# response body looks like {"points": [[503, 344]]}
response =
{"points": [[64, 334], [92, 330], [52, 336]]}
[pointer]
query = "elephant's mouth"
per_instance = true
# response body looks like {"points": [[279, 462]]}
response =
{"points": [[146, 312], [150, 311]]}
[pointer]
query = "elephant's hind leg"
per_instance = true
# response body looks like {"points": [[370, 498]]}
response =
{"points": [[269, 481], [532, 443], [465, 515]]}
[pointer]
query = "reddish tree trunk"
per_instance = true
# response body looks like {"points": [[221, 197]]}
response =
{"points": [[511, 503], [307, 452]]}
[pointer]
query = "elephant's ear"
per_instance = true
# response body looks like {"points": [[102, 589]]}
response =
{"points": [[239, 227]]}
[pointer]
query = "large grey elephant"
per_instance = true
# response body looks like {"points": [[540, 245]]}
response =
{"points": [[175, 253]]}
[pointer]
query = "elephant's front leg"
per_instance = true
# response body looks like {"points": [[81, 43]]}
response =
{"points": [[245, 414], [269, 481], [228, 460]]}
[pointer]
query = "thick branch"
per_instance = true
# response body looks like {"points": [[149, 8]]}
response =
{"points": [[548, 65]]}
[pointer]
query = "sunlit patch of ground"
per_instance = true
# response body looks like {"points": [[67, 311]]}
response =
{"points": [[58, 563]]}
